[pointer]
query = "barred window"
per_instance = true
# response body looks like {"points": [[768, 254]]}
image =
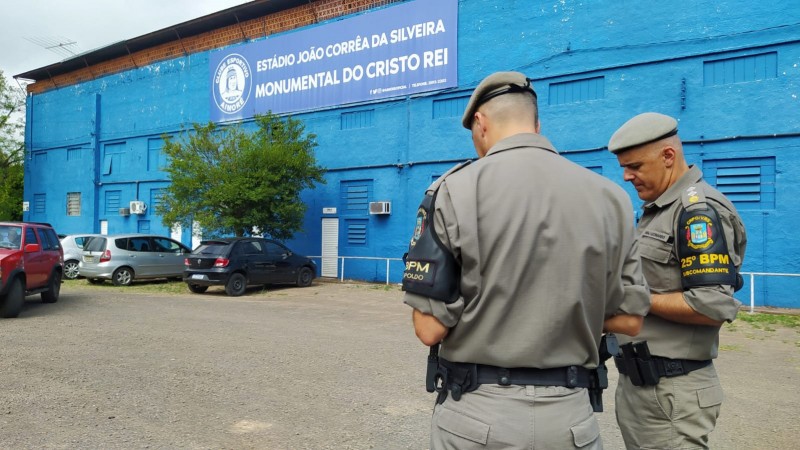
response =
{"points": [[577, 91], [740, 69], [39, 203], [113, 202], [449, 107], [73, 203], [155, 198], [358, 119], [748, 182], [355, 197], [357, 231]]}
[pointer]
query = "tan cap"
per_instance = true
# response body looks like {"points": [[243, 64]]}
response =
{"points": [[498, 83], [643, 129]]}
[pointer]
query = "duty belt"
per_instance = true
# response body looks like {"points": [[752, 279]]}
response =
{"points": [[570, 376], [666, 367], [459, 378]]}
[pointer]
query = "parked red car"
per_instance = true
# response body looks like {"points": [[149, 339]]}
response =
{"points": [[31, 262]]}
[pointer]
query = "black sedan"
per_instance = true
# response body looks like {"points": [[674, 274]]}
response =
{"points": [[240, 262]]}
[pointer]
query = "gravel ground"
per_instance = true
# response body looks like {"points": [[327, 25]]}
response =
{"points": [[332, 366]]}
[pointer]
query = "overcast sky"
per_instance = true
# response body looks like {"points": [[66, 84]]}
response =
{"points": [[91, 24]]}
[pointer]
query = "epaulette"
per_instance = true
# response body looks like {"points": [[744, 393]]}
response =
{"points": [[693, 198], [435, 185]]}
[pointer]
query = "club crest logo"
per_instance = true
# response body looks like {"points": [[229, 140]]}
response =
{"points": [[419, 228], [699, 232], [232, 84]]}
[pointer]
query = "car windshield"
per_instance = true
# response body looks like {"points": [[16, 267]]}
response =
{"points": [[212, 249], [10, 236]]}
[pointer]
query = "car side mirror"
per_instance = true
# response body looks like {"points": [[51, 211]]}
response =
{"points": [[32, 248]]}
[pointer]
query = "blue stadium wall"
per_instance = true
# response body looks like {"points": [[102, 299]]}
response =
{"points": [[728, 71]]}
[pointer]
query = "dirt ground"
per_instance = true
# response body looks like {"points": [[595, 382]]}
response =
{"points": [[333, 366]]}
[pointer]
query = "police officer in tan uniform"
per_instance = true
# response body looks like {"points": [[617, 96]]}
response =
{"points": [[692, 242], [517, 264]]}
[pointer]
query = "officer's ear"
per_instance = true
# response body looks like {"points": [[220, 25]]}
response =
{"points": [[668, 156], [478, 120]]}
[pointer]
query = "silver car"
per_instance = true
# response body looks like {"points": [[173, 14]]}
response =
{"points": [[73, 252], [123, 258]]}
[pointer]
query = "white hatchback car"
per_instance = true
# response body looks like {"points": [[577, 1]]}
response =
{"points": [[123, 258], [73, 252]]}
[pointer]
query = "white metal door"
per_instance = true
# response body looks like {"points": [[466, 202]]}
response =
{"points": [[197, 235], [330, 247], [176, 232]]}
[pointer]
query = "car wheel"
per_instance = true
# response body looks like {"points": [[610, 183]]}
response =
{"points": [[71, 269], [11, 305], [197, 289], [305, 277], [236, 286], [122, 276], [53, 289], [95, 280]]}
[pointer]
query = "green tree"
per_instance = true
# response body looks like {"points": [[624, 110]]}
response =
{"points": [[229, 180], [12, 149]]}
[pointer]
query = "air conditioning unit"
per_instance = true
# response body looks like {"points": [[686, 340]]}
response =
{"points": [[380, 207], [138, 207], [124, 211]]}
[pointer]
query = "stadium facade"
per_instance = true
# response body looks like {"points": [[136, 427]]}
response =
{"points": [[383, 85]]}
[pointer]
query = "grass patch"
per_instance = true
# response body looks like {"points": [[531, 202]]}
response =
{"points": [[385, 287], [150, 286], [730, 348], [769, 321]]}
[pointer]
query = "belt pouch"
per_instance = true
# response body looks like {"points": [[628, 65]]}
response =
{"points": [[646, 365], [629, 359], [459, 378]]}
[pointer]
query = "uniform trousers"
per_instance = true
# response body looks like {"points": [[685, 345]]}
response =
{"points": [[516, 417], [678, 413]]}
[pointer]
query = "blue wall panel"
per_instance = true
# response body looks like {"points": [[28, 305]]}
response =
{"points": [[732, 82]]}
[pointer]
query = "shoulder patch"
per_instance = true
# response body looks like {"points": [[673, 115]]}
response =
{"points": [[702, 250], [431, 269]]}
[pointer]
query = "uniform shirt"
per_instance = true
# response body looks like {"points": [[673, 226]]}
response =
{"points": [[661, 264], [547, 252]]}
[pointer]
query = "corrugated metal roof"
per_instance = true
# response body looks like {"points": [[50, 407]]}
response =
{"points": [[230, 16]]}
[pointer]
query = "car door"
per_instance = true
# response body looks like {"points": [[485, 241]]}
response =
{"points": [[255, 260], [169, 256], [136, 252], [279, 259], [54, 251], [36, 263]]}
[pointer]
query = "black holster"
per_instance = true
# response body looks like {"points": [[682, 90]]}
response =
{"points": [[639, 364], [598, 377], [455, 378], [433, 366]]}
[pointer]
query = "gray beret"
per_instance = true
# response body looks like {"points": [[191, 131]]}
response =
{"points": [[642, 129], [498, 83]]}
